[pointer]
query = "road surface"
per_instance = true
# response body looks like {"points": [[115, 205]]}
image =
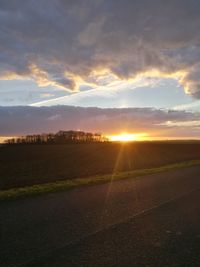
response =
{"points": [[147, 221]]}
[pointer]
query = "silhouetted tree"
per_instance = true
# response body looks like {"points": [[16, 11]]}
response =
{"points": [[59, 138]]}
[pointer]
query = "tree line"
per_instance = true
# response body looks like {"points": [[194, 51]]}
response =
{"points": [[60, 137]]}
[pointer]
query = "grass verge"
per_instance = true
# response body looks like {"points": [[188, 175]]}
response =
{"points": [[15, 193]]}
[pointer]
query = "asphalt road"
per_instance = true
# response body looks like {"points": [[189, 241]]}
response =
{"points": [[148, 221]]}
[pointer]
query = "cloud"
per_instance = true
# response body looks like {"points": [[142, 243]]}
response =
{"points": [[156, 122], [44, 95], [192, 106], [67, 44]]}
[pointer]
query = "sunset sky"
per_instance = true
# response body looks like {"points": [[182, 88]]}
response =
{"points": [[110, 66]]}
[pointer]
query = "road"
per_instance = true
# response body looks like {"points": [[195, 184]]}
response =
{"points": [[147, 221]]}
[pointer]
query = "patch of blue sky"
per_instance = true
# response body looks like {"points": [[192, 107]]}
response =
{"points": [[164, 93]]}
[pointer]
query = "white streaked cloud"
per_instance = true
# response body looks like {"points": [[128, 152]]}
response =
{"points": [[189, 124], [191, 106]]}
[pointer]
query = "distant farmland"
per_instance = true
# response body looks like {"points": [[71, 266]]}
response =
{"points": [[36, 164]]}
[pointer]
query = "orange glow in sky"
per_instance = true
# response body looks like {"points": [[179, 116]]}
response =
{"points": [[3, 138]]}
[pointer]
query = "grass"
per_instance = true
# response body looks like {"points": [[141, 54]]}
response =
{"points": [[38, 189]]}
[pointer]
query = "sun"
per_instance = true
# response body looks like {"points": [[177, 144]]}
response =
{"points": [[128, 137], [123, 137]]}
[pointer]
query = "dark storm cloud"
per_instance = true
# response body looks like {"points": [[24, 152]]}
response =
{"points": [[59, 42], [25, 120]]}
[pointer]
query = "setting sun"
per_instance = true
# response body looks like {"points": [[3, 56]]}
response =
{"points": [[125, 137]]}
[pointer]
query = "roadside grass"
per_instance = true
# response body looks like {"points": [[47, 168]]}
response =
{"points": [[21, 192]]}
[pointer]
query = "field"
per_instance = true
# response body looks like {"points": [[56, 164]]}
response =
{"points": [[37, 164], [149, 214]]}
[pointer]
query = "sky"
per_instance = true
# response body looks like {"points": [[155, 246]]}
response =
{"points": [[106, 59]]}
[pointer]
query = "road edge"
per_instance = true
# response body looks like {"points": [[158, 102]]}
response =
{"points": [[65, 185]]}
